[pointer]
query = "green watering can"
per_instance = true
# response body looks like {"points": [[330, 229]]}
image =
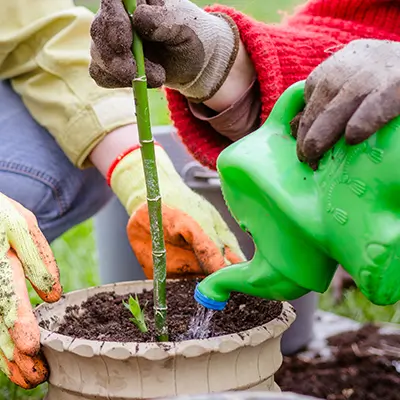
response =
{"points": [[305, 222]]}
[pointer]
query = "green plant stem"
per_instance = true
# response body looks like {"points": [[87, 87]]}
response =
{"points": [[139, 85]]}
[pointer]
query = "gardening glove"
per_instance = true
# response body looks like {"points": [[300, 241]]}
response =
{"points": [[356, 92], [186, 48], [198, 241], [24, 253]]}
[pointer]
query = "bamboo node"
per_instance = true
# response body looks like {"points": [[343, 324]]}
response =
{"points": [[140, 79]]}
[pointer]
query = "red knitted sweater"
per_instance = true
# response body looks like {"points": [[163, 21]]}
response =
{"points": [[286, 53]]}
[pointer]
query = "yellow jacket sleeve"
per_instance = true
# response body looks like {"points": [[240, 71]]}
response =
{"points": [[45, 52]]}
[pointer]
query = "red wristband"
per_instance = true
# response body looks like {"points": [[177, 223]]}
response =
{"points": [[119, 158]]}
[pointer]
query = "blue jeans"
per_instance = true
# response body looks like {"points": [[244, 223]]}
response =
{"points": [[35, 172]]}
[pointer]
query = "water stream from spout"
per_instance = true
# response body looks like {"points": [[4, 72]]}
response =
{"points": [[200, 326]]}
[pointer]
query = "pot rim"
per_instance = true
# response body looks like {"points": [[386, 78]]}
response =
{"points": [[156, 350]]}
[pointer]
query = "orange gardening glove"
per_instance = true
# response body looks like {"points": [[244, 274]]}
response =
{"points": [[198, 241], [24, 253]]}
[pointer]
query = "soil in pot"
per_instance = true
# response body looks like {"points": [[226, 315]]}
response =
{"points": [[365, 365], [103, 317]]}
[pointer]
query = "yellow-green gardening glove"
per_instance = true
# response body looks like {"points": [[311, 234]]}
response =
{"points": [[24, 253], [198, 241]]}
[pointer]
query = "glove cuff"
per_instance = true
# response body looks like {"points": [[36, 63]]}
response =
{"points": [[221, 53], [126, 176], [117, 161]]}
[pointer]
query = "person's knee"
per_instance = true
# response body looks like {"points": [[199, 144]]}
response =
{"points": [[47, 197], [57, 206], [35, 171]]}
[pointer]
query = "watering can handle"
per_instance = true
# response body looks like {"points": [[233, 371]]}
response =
{"points": [[289, 104]]}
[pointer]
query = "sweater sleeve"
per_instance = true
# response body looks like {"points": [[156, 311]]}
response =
{"points": [[282, 55], [379, 15]]}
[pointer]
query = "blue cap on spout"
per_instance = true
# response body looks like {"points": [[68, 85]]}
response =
{"points": [[207, 302]]}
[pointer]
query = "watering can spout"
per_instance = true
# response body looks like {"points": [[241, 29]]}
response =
{"points": [[255, 278]]}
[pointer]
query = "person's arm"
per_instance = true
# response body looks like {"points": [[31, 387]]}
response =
{"points": [[238, 81], [114, 144], [45, 52], [282, 55], [369, 11], [203, 64], [234, 110]]}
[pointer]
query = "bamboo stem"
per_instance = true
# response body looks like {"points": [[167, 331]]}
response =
{"points": [[146, 140]]}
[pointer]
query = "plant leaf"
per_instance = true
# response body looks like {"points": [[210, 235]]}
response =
{"points": [[134, 305], [138, 315]]}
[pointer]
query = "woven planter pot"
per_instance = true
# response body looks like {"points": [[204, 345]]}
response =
{"points": [[88, 369]]}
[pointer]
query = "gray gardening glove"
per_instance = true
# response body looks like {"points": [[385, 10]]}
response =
{"points": [[186, 48], [356, 92]]}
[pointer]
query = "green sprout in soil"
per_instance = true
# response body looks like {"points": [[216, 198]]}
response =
{"points": [[138, 313], [139, 85]]}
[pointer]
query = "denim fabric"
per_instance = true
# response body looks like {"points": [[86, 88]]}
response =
{"points": [[35, 172]]}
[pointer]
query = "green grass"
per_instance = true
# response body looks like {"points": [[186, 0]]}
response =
{"points": [[76, 250]]}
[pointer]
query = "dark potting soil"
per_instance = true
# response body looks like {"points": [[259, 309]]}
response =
{"points": [[103, 316], [363, 368]]}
